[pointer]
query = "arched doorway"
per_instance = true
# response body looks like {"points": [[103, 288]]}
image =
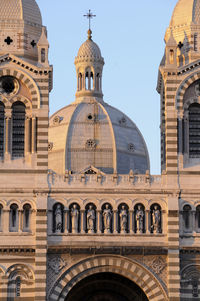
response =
{"points": [[106, 287]]}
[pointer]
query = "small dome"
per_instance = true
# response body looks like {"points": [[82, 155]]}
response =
{"points": [[186, 12], [95, 134], [25, 10], [89, 49]]}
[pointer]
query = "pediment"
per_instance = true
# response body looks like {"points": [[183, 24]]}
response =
{"points": [[91, 170]]}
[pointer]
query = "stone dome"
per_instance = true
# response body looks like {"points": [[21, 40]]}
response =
{"points": [[89, 49], [25, 10], [185, 13], [95, 134]]}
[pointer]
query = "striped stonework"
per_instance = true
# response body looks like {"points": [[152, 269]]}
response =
{"points": [[181, 91], [170, 127], [173, 255], [26, 80], [40, 255], [9, 282], [112, 264]]}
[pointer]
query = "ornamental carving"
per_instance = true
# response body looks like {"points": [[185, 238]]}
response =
{"points": [[91, 144], [158, 264], [56, 264], [56, 120]]}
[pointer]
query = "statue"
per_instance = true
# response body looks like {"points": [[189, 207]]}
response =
{"points": [[58, 219], [91, 219], [107, 217], [123, 220], [156, 219], [139, 219], [74, 218]]}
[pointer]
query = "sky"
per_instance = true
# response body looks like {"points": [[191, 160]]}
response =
{"points": [[130, 34]]}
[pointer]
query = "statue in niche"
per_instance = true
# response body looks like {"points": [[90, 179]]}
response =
{"points": [[74, 218], [156, 219], [91, 219], [139, 216], [58, 219], [107, 217], [123, 219]]}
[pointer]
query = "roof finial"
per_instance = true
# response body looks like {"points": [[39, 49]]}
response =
{"points": [[89, 15]]}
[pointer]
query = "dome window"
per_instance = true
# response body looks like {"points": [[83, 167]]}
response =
{"points": [[122, 121], [91, 143], [50, 146], [131, 147]]}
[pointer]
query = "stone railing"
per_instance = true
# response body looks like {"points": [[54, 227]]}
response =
{"points": [[109, 180]]}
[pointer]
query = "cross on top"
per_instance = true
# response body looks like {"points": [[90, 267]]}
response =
{"points": [[89, 15]]}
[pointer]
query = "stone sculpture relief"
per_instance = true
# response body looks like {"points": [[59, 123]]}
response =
{"points": [[139, 220], [91, 219], [58, 219], [156, 219], [107, 217], [74, 218], [123, 220]]}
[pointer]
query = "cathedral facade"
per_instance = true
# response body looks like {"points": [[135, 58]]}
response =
{"points": [[81, 217]]}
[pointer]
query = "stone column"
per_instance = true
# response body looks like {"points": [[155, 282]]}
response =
{"points": [[131, 222], [193, 215], [33, 136], [20, 223], [115, 221], [50, 221], [27, 135], [98, 222], [65, 220], [8, 115], [82, 221], [6, 221], [147, 222]]}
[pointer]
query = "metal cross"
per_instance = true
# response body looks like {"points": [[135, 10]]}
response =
{"points": [[89, 16]]}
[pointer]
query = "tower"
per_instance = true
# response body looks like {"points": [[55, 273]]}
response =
{"points": [[25, 83]]}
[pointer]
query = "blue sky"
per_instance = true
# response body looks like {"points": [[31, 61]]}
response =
{"points": [[130, 35]]}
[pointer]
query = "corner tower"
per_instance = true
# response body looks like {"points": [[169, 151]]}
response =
{"points": [[178, 85], [25, 83]]}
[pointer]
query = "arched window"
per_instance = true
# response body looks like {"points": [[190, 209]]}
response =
{"points": [[198, 218], [2, 116], [18, 125], [91, 81], [1, 217], [43, 55], [58, 218], [171, 56], [195, 42], [97, 82], [87, 81], [187, 217], [80, 82], [194, 130], [14, 216], [26, 217], [18, 287]]}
